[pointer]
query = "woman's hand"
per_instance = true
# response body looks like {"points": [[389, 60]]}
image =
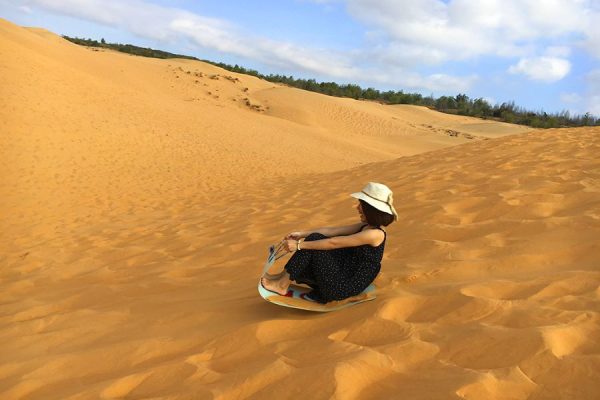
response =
{"points": [[290, 245], [294, 236]]}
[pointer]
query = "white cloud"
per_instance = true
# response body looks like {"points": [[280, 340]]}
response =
{"points": [[276, 53], [170, 24], [404, 35], [546, 69], [591, 27], [448, 83], [593, 93], [589, 101], [593, 80], [490, 100], [441, 83], [558, 51], [570, 98], [592, 43], [463, 29], [138, 17], [594, 105]]}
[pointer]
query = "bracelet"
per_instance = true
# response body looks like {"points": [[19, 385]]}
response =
{"points": [[297, 245]]}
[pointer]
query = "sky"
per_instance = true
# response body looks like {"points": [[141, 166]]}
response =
{"points": [[542, 54]]}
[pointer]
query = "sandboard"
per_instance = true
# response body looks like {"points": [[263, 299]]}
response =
{"points": [[296, 298]]}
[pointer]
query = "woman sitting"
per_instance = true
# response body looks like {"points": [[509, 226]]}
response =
{"points": [[339, 262]]}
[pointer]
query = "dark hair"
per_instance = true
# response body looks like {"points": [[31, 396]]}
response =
{"points": [[374, 216]]}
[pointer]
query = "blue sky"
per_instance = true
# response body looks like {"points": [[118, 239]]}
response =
{"points": [[542, 54]]}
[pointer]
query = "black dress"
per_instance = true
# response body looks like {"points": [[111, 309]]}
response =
{"points": [[336, 274]]}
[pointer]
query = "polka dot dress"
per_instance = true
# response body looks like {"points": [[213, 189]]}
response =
{"points": [[335, 274]]}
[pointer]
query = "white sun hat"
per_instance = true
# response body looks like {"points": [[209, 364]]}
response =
{"points": [[379, 196]]}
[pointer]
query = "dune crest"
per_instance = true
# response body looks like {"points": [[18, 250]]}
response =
{"points": [[139, 197]]}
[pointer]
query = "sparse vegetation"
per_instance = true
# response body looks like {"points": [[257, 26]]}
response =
{"points": [[127, 48], [460, 104]]}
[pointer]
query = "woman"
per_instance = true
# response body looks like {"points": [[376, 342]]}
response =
{"points": [[339, 262]]}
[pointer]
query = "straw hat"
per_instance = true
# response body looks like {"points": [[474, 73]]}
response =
{"points": [[379, 196]]}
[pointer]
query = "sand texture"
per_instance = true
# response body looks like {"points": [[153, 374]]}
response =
{"points": [[138, 197]]}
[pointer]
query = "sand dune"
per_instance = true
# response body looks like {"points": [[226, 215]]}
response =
{"points": [[138, 197]]}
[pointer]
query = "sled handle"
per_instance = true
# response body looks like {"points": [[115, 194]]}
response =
{"points": [[275, 253]]}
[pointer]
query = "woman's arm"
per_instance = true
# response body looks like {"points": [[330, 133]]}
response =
{"points": [[372, 237], [327, 231]]}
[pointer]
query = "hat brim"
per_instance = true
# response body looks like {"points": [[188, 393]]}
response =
{"points": [[378, 204]]}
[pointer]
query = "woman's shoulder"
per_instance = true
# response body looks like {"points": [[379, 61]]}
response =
{"points": [[376, 234]]}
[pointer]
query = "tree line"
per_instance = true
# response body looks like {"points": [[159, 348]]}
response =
{"points": [[460, 104], [127, 48]]}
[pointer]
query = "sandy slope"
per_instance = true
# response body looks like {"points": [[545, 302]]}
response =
{"points": [[137, 201]]}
